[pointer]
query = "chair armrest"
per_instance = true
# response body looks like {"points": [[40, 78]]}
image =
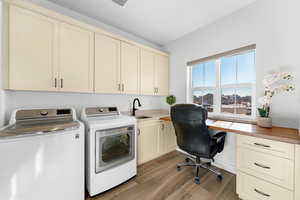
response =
{"points": [[219, 136], [219, 139]]}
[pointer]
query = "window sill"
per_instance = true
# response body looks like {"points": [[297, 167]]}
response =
{"points": [[247, 120]]}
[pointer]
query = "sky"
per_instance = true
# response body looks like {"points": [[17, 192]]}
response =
{"points": [[234, 69]]}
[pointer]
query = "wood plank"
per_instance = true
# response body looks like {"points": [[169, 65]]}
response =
{"points": [[159, 180], [288, 135]]}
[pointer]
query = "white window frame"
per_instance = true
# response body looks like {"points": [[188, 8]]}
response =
{"points": [[218, 88]]}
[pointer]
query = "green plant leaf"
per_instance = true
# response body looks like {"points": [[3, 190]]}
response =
{"points": [[171, 99], [262, 112]]}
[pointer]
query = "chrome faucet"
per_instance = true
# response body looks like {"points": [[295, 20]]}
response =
{"points": [[133, 106]]}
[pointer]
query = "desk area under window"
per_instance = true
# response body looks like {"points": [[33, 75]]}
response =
{"points": [[268, 160], [288, 135]]}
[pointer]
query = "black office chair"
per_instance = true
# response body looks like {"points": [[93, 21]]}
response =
{"points": [[194, 138]]}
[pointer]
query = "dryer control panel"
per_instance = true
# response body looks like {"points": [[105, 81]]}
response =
{"points": [[102, 111]]}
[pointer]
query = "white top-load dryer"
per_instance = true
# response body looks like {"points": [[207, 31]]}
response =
{"points": [[42, 156], [110, 148]]}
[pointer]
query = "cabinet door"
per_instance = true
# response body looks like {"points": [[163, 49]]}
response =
{"points": [[76, 59], [162, 74], [148, 142], [169, 137], [129, 68], [107, 64], [31, 50], [297, 172], [147, 72]]}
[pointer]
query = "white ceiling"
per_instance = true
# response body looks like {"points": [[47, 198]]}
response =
{"points": [[158, 21]]}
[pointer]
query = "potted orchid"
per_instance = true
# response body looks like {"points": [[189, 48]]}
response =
{"points": [[273, 84]]}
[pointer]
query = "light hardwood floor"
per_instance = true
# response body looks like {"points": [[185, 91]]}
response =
{"points": [[159, 180]]}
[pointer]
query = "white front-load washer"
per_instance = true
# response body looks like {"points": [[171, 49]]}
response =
{"points": [[111, 143]]}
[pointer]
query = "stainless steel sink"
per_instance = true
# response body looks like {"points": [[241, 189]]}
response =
{"points": [[142, 117]]}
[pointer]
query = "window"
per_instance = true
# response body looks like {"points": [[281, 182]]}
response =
{"points": [[225, 85]]}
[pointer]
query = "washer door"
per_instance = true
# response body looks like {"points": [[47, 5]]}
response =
{"points": [[114, 147]]}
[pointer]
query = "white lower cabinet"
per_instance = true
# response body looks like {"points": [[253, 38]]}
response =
{"points": [[167, 138], [251, 188], [155, 138], [266, 169], [278, 170], [148, 141]]}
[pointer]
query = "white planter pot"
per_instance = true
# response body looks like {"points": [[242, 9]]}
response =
{"points": [[265, 122]]}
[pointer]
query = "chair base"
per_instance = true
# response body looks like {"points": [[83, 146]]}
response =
{"points": [[190, 161]]}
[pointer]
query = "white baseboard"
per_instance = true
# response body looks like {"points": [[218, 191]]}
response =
{"points": [[230, 167]]}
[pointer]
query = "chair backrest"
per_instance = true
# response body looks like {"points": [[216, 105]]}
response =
{"points": [[190, 127]]}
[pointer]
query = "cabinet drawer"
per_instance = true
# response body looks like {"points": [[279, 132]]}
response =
{"points": [[251, 188], [276, 148], [271, 168]]}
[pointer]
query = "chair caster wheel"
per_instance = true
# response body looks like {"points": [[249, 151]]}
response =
{"points": [[187, 160], [220, 177], [197, 180], [178, 168]]}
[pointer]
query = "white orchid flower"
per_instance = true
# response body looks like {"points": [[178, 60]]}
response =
{"points": [[275, 83]]}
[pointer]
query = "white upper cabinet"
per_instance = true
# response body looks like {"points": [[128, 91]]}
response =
{"points": [[107, 64], [129, 68], [147, 72], [32, 43], [46, 51], [161, 74], [154, 75], [47, 55], [76, 59]]}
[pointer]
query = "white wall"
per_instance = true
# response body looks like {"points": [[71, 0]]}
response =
{"points": [[18, 99], [271, 24], [65, 11]]}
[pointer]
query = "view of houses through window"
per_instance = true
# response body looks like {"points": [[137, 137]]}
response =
{"points": [[225, 85]]}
